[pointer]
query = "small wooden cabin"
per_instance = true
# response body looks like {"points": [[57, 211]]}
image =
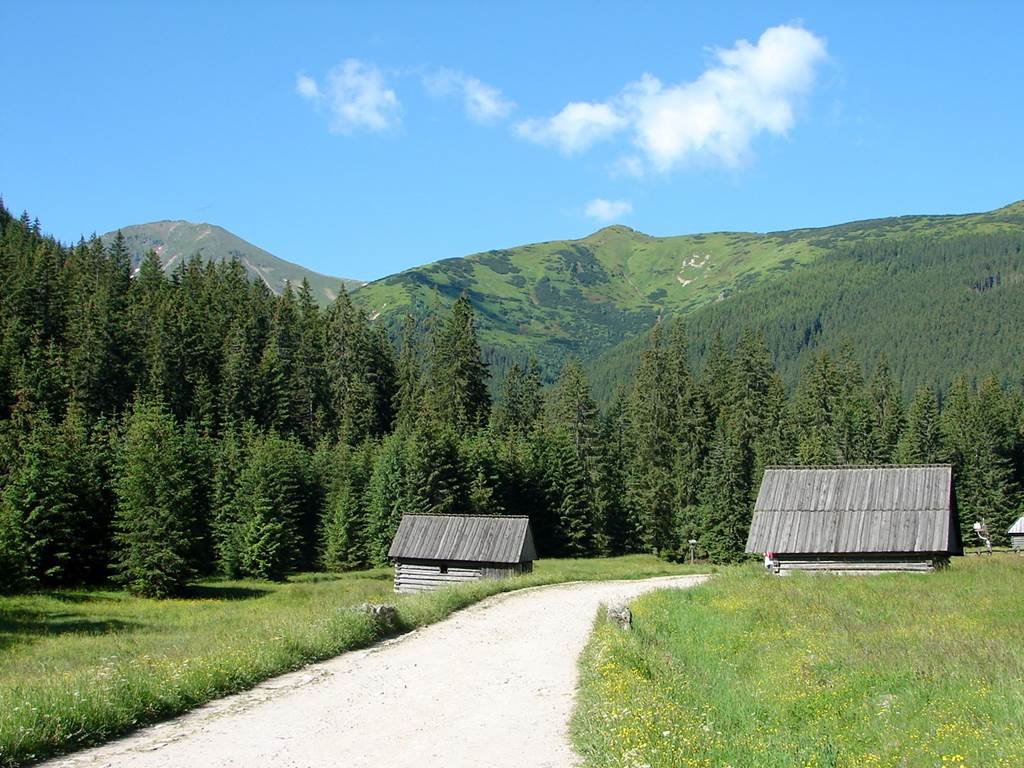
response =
{"points": [[1016, 534], [431, 551], [856, 519]]}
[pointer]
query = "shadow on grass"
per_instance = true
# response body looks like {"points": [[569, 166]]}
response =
{"points": [[318, 578], [79, 597], [226, 592], [386, 576], [18, 626]]}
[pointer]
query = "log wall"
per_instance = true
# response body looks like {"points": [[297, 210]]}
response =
{"points": [[420, 576], [858, 565]]}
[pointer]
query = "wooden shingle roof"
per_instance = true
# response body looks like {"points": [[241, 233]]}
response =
{"points": [[820, 510], [464, 538], [1017, 527]]}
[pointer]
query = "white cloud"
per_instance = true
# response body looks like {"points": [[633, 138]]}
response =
{"points": [[306, 87], [750, 90], [576, 128], [608, 210], [356, 96], [483, 103]]}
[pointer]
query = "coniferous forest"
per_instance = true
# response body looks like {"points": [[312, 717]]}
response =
{"points": [[157, 427]]}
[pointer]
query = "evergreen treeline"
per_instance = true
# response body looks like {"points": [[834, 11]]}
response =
{"points": [[934, 305], [160, 427]]}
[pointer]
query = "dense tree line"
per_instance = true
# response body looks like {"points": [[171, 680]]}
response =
{"points": [[934, 305], [158, 427]]}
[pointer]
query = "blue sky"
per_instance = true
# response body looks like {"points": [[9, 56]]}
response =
{"points": [[362, 139]]}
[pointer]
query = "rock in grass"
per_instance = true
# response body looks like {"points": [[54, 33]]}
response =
{"points": [[384, 614], [621, 615]]}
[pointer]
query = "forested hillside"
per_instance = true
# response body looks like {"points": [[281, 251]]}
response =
{"points": [[886, 284], [177, 241], [935, 306], [158, 427]]}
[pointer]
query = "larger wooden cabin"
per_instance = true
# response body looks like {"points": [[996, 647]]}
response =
{"points": [[1016, 534], [856, 519], [431, 551]]}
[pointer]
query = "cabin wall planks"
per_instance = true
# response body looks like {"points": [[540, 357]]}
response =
{"points": [[422, 576]]}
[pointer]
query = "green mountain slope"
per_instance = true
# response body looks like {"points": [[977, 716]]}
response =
{"points": [[936, 307], [175, 241], [586, 297]]}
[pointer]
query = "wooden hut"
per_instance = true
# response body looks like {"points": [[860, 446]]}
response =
{"points": [[1016, 534], [431, 551], [856, 519]]}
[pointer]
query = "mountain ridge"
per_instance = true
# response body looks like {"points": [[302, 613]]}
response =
{"points": [[177, 239], [586, 294]]}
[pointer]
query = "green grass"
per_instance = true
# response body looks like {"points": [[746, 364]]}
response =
{"points": [[830, 672], [79, 667]]}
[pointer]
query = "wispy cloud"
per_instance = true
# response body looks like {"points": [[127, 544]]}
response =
{"points": [[576, 128], [483, 103], [608, 210], [356, 96], [751, 89], [307, 87]]}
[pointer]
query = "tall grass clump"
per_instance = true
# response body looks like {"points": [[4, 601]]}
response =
{"points": [[752, 670]]}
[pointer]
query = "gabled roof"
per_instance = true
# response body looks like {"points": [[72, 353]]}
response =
{"points": [[1017, 527], [464, 538], [897, 509]]}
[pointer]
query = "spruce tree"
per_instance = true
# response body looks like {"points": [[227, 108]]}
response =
{"points": [[457, 389], [346, 543], [308, 385], [153, 528], [691, 421], [519, 406], [238, 378], [360, 373], [386, 497], [853, 412], [921, 441], [41, 495], [998, 491], [726, 500], [272, 502], [650, 487], [569, 491], [436, 477], [814, 411], [224, 508], [408, 404], [887, 418], [15, 573], [572, 408], [617, 533], [485, 471]]}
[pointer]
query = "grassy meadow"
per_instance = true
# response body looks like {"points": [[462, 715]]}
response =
{"points": [[78, 667], [820, 671]]}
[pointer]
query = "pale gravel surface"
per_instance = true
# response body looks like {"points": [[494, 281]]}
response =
{"points": [[492, 685]]}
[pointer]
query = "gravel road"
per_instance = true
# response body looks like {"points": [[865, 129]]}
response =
{"points": [[491, 685]]}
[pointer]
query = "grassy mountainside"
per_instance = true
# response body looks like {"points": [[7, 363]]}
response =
{"points": [[585, 297], [175, 241], [936, 300]]}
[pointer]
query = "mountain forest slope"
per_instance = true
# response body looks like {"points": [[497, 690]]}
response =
{"points": [[175, 241], [937, 294]]}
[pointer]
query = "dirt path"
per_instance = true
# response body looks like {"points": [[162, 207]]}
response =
{"points": [[491, 685]]}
